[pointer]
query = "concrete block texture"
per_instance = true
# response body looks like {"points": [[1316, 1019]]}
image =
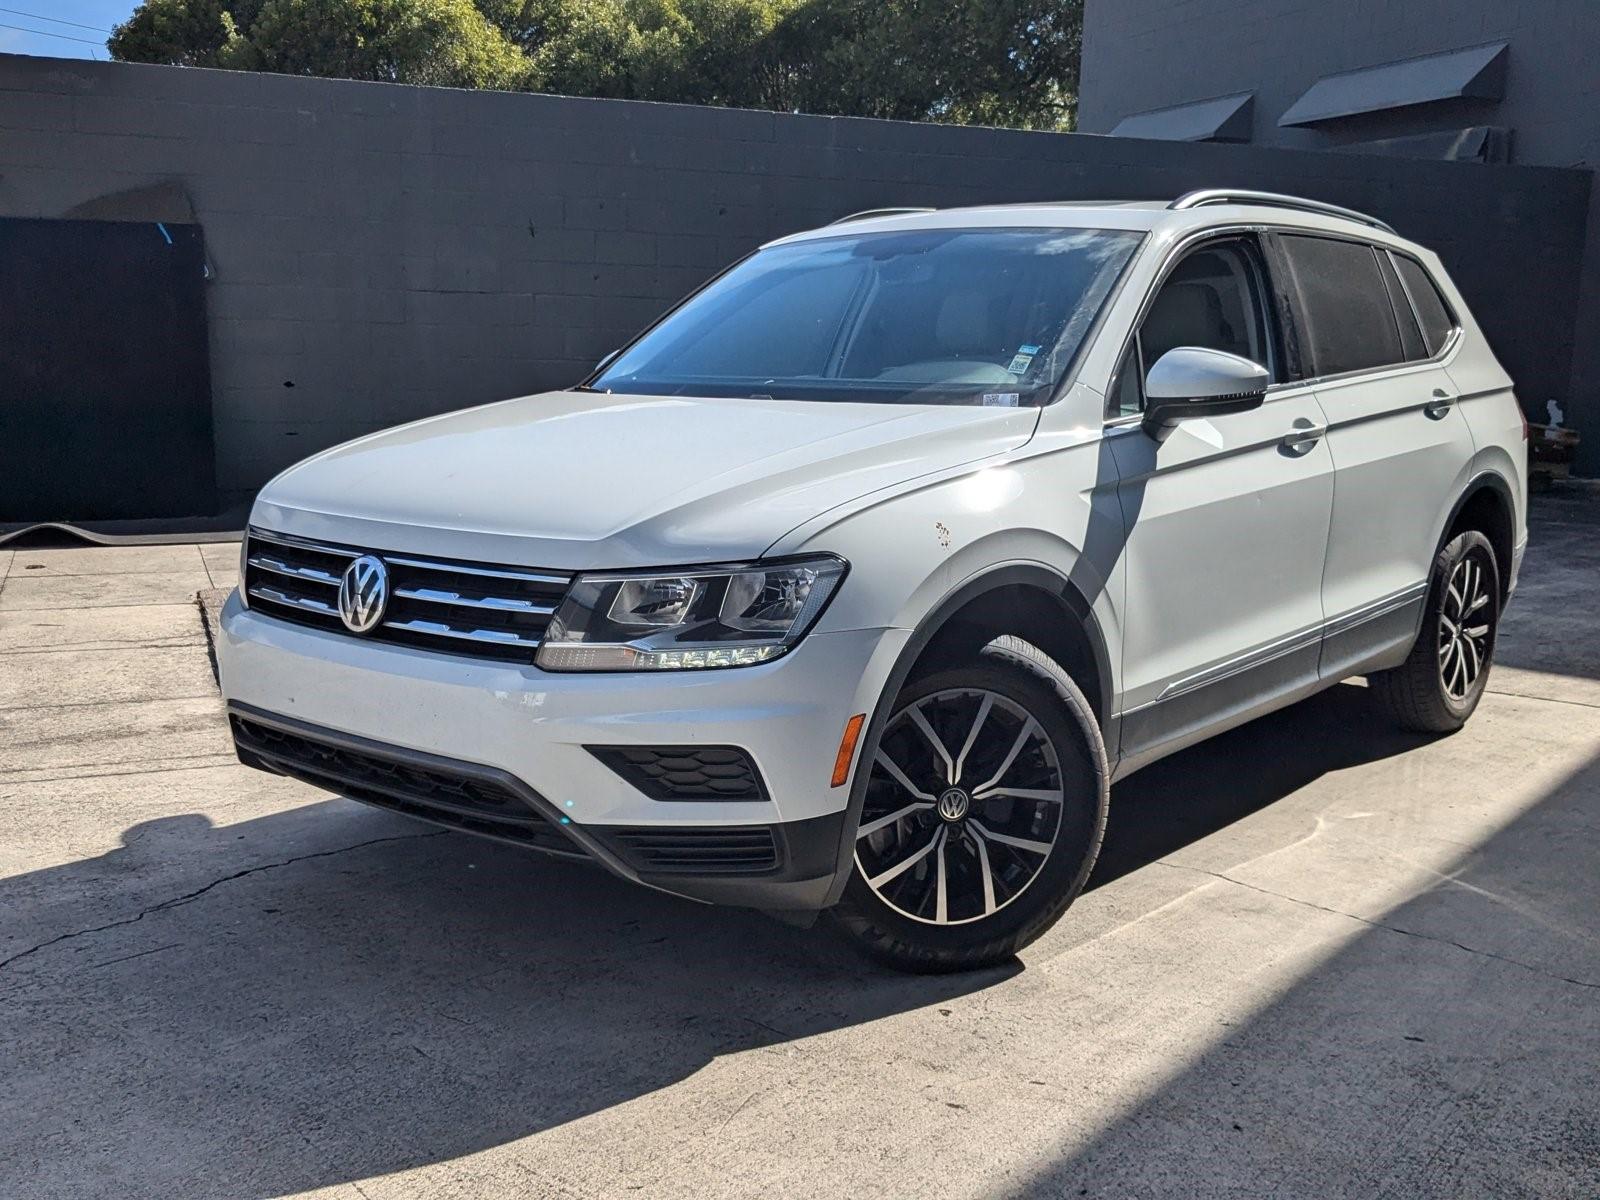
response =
{"points": [[381, 253]]}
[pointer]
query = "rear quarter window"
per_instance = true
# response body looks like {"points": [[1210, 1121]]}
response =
{"points": [[1432, 312], [1349, 324]]}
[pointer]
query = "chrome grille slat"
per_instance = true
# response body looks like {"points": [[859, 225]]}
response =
{"points": [[438, 629], [282, 568], [305, 603], [462, 609], [284, 539], [500, 603], [423, 564]]}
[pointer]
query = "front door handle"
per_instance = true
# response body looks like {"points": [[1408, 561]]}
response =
{"points": [[1439, 407], [1302, 438]]}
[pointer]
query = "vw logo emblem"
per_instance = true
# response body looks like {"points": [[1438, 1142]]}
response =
{"points": [[363, 593], [953, 804]]}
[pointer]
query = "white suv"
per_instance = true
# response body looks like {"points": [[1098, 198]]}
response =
{"points": [[852, 584]]}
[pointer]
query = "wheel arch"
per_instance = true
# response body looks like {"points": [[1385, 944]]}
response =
{"points": [[1486, 504], [1031, 592]]}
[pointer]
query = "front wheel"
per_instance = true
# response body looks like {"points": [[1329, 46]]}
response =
{"points": [[984, 809], [1439, 685]]}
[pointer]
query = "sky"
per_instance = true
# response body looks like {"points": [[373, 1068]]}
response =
{"points": [[56, 27]]}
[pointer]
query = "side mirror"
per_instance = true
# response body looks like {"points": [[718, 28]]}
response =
{"points": [[1190, 381]]}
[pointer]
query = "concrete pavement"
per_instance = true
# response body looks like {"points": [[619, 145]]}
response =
{"points": [[1319, 958]]}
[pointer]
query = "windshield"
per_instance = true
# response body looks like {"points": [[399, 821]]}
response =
{"points": [[936, 316]]}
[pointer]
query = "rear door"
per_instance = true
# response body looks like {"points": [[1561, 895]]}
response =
{"points": [[1226, 518], [1399, 442]]}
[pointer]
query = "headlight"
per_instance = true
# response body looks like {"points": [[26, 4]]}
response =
{"points": [[729, 616]]}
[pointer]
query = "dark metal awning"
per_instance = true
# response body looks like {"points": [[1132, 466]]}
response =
{"points": [[1222, 119], [1478, 72], [1478, 143]]}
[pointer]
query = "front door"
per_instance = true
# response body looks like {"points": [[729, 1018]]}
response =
{"points": [[1226, 519]]}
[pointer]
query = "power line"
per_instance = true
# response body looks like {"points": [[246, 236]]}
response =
{"points": [[17, 12], [43, 33]]}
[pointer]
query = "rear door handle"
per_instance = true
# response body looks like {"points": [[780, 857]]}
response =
{"points": [[1439, 407]]}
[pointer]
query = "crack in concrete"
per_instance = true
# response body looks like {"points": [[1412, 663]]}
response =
{"points": [[1371, 924], [210, 636], [205, 695], [190, 897], [215, 758], [1544, 699], [168, 643]]}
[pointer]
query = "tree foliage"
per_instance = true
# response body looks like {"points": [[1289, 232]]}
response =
{"points": [[1003, 62], [445, 42]]}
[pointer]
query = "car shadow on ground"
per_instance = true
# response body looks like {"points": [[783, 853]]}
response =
{"points": [[1443, 1047], [347, 994], [1191, 795]]}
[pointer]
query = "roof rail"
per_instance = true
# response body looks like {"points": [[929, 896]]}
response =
{"points": [[1205, 196], [867, 214]]}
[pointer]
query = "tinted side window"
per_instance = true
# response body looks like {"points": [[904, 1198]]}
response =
{"points": [[1410, 332], [1432, 311], [1214, 298], [1344, 306], [1127, 393]]}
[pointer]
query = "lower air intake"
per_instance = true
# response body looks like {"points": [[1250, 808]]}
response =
{"points": [[731, 850]]}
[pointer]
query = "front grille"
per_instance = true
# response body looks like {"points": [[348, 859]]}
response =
{"points": [[685, 772], [689, 850], [435, 604], [475, 804]]}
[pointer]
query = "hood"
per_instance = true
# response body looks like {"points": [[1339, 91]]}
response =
{"points": [[573, 480]]}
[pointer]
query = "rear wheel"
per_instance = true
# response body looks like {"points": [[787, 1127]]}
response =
{"points": [[1437, 688], [985, 807]]}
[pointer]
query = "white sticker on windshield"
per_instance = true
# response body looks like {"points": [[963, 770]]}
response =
{"points": [[1000, 399], [1024, 356]]}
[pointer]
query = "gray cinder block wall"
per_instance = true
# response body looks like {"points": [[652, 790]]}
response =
{"points": [[381, 253]]}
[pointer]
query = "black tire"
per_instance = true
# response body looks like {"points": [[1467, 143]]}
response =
{"points": [[1024, 905], [1429, 692]]}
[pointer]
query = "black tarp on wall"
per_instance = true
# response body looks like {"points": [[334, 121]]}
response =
{"points": [[105, 387]]}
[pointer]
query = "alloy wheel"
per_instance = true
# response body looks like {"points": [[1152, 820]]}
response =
{"points": [[1464, 628], [964, 804]]}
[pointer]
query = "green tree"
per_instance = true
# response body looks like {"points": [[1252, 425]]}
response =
{"points": [[448, 43], [186, 33], [1000, 62]]}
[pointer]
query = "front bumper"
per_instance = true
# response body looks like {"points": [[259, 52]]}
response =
{"points": [[529, 730]]}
